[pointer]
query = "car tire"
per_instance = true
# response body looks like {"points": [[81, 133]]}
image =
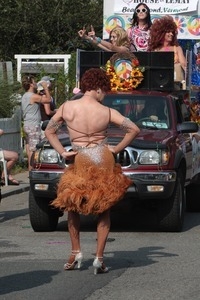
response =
{"points": [[171, 211], [43, 217], [192, 198]]}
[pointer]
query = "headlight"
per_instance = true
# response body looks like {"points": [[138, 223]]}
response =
{"points": [[153, 157], [46, 156]]}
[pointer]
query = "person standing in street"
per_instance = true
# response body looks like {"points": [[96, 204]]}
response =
{"points": [[94, 182], [30, 106]]}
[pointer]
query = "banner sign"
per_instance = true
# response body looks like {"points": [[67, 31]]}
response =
{"points": [[166, 7], [188, 26]]}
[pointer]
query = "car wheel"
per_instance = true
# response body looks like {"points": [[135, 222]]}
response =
{"points": [[192, 197], [42, 216], [171, 211]]}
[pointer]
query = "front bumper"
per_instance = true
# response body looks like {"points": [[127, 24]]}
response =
{"points": [[146, 185], [44, 183], [151, 185]]}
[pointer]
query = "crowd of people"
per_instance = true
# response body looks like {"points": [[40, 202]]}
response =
{"points": [[143, 35], [94, 182], [82, 188], [91, 184]]}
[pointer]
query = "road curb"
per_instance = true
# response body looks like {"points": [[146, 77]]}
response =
{"points": [[20, 190]]}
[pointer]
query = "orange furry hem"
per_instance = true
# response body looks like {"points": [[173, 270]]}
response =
{"points": [[92, 190]]}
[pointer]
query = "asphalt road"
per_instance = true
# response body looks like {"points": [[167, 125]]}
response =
{"points": [[144, 264]]}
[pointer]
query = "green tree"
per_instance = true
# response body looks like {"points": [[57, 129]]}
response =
{"points": [[46, 27]]}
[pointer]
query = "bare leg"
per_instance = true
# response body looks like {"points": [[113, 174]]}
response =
{"points": [[11, 157], [103, 229], [74, 229], [74, 232], [29, 154]]}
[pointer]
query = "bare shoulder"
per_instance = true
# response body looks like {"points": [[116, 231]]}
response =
{"points": [[67, 109], [115, 116], [69, 104], [179, 48]]}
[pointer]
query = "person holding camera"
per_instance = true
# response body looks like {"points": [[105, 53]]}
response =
{"points": [[47, 109], [30, 105]]}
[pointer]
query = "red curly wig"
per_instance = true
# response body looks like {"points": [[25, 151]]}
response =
{"points": [[94, 79], [158, 30]]}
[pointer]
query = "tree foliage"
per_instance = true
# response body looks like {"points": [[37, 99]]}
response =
{"points": [[46, 27]]}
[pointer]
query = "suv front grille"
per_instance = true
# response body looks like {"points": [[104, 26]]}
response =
{"points": [[123, 158], [126, 157]]}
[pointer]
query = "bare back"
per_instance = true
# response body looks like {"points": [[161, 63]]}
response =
{"points": [[86, 127]]}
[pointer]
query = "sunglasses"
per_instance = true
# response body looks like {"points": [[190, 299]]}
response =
{"points": [[144, 10]]}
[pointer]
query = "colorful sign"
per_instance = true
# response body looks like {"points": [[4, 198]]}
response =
{"points": [[188, 26], [170, 7], [188, 23]]}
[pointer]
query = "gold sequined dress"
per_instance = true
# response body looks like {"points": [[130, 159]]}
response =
{"points": [[93, 184]]}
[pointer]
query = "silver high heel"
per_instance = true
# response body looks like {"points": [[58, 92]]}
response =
{"points": [[77, 260], [99, 266]]}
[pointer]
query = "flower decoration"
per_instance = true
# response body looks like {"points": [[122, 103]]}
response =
{"points": [[198, 60], [195, 112], [124, 71]]}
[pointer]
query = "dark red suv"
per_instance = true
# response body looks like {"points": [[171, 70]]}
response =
{"points": [[159, 160]]}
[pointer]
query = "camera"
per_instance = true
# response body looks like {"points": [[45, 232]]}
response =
{"points": [[40, 88]]}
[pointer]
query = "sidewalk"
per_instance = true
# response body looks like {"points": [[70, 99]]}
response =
{"points": [[17, 189]]}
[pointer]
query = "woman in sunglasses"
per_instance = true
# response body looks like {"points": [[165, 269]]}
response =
{"points": [[138, 33]]}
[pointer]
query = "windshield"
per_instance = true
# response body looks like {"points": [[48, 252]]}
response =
{"points": [[145, 111]]}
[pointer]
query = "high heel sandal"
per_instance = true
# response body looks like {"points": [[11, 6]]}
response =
{"points": [[99, 266], [77, 260]]}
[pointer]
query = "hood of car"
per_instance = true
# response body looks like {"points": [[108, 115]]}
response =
{"points": [[147, 138]]}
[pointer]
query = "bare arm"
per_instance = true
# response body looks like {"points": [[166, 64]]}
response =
{"points": [[48, 110], [50, 133], [128, 126], [181, 58], [46, 98], [90, 37], [107, 46]]}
